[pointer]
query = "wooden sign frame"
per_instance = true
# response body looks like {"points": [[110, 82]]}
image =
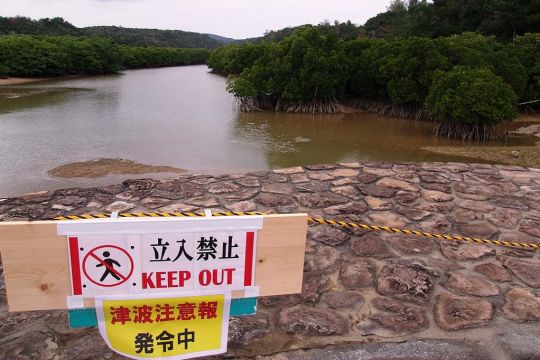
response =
{"points": [[36, 261]]}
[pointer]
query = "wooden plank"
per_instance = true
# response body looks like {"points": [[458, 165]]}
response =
{"points": [[35, 262], [36, 265], [280, 254]]}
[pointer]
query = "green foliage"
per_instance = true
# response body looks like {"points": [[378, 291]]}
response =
{"points": [[23, 25], [527, 49], [503, 18], [343, 31], [4, 71], [471, 96], [232, 59], [66, 55], [144, 57], [475, 50], [363, 80], [58, 55], [384, 25], [306, 66], [407, 68]]}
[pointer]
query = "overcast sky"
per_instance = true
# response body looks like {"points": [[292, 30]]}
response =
{"points": [[232, 18]]}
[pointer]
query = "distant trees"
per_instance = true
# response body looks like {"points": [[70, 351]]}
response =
{"points": [[134, 57], [53, 47], [398, 6], [126, 36], [23, 25], [58, 55], [22, 55], [154, 37], [504, 19], [343, 31], [313, 70]]}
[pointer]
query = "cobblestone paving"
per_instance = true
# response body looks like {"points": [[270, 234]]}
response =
{"points": [[365, 295]]}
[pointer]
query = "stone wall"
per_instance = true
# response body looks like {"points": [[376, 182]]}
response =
{"points": [[364, 293]]}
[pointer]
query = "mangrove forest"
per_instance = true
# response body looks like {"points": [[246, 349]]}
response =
{"points": [[42, 56], [468, 83]]}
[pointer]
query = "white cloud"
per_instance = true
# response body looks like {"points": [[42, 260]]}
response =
{"points": [[232, 18]]}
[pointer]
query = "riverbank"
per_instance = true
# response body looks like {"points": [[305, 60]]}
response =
{"points": [[20, 80], [371, 294], [509, 155]]}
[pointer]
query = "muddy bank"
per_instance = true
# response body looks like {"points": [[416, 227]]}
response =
{"points": [[524, 125], [509, 155], [527, 118], [102, 167], [28, 80], [533, 129], [17, 81]]}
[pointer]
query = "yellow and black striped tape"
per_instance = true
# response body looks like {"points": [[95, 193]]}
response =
{"points": [[424, 234], [318, 221], [158, 214]]}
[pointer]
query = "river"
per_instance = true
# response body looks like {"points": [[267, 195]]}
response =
{"points": [[181, 117]]}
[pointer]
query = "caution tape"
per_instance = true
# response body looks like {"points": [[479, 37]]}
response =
{"points": [[424, 234], [321, 221], [158, 214]]}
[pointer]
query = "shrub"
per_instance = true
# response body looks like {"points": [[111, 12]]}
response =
{"points": [[467, 101]]}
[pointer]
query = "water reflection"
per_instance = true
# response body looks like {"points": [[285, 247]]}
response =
{"points": [[299, 139], [16, 98]]}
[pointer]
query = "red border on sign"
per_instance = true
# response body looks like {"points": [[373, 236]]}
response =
{"points": [[91, 252], [248, 273], [75, 267]]}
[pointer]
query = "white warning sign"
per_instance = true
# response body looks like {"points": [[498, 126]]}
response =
{"points": [[161, 258]]}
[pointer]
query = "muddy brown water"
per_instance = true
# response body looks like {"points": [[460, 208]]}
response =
{"points": [[181, 117]]}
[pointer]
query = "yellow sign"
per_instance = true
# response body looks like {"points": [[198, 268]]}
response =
{"points": [[160, 326]]}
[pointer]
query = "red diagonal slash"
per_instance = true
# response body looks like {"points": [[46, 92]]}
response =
{"points": [[91, 253]]}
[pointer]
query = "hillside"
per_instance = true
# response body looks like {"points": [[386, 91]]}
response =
{"points": [[27, 26], [221, 39], [155, 37], [125, 36], [344, 30], [436, 18]]}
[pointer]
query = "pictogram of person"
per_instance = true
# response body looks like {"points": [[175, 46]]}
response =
{"points": [[109, 268]]}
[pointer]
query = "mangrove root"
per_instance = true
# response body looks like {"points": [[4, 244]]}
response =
{"points": [[250, 104], [387, 109], [468, 132]]}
